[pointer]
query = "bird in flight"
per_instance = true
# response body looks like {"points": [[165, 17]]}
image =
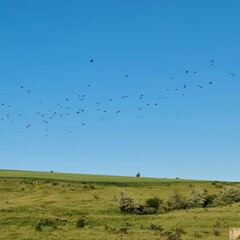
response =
{"points": [[232, 74]]}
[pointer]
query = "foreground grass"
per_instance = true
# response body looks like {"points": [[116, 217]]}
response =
{"points": [[64, 198]]}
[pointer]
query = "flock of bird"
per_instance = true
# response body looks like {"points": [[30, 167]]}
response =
{"points": [[63, 109]]}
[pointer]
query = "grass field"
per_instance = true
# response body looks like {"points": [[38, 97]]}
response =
{"points": [[61, 199]]}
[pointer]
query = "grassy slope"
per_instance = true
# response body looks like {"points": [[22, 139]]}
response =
{"points": [[65, 196], [79, 177]]}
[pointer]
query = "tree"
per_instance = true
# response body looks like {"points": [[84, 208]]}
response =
{"points": [[138, 174]]}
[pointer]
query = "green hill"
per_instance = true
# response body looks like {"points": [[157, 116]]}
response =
{"points": [[40, 205]]}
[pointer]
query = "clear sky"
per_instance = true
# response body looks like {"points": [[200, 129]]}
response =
{"points": [[166, 65]]}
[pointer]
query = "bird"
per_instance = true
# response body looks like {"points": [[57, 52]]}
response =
{"points": [[91, 60], [212, 63], [232, 74]]}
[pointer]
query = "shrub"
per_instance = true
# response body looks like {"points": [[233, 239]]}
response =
{"points": [[145, 210], [126, 203], [156, 227], [138, 174], [125, 227], [153, 203], [109, 228], [173, 234], [231, 194], [209, 200], [196, 198], [44, 222], [81, 222], [176, 202], [216, 232]]}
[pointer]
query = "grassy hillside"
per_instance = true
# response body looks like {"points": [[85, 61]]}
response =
{"points": [[58, 200], [80, 177]]}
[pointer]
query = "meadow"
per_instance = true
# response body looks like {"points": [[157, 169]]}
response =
{"points": [[49, 205]]}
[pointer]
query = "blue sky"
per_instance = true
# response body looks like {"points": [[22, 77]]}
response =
{"points": [[46, 48]]}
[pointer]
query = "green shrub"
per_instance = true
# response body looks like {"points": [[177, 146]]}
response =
{"points": [[156, 227], [231, 194], [173, 234], [196, 198], [81, 222], [176, 202], [108, 228], [45, 222], [153, 203], [125, 227], [145, 210], [209, 200], [216, 232], [126, 203]]}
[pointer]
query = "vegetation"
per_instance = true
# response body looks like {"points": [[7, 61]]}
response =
{"points": [[67, 208]]}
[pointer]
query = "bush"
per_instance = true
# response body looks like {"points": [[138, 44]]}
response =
{"points": [[216, 232], [173, 234], [126, 203], [156, 227], [81, 222], [145, 210], [45, 222], [231, 194], [196, 198], [176, 202], [209, 200], [153, 203], [138, 174]]}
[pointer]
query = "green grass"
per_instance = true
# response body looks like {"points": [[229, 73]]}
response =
{"points": [[61, 199], [81, 177]]}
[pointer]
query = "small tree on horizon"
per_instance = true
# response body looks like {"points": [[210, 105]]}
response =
{"points": [[138, 174]]}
